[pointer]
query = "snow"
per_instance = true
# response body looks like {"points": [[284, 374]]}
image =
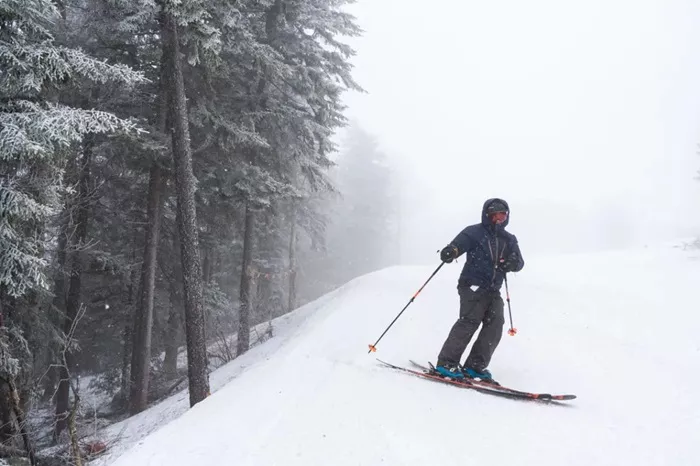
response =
{"points": [[616, 328]]}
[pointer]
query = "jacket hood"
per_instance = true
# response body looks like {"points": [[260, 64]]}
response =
{"points": [[484, 218]]}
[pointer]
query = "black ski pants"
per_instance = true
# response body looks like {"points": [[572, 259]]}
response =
{"points": [[476, 308]]}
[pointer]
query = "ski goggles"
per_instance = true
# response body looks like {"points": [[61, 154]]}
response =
{"points": [[498, 217]]}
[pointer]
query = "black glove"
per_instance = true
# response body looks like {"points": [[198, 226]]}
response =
{"points": [[449, 253], [508, 265]]}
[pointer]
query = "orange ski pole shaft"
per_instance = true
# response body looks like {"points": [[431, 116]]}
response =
{"points": [[373, 348]]}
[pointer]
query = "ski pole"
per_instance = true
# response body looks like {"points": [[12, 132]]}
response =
{"points": [[511, 331], [373, 348]]}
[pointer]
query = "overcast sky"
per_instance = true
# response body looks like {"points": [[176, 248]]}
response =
{"points": [[584, 115]]}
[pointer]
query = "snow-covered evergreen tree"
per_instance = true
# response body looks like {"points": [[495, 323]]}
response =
{"points": [[259, 95], [37, 131], [264, 112]]}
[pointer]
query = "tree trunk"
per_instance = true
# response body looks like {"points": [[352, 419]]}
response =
{"points": [[125, 381], [143, 317], [208, 265], [2, 305], [14, 420], [73, 299], [128, 300], [135, 332], [173, 336], [59, 302], [7, 430], [292, 298], [21, 422], [186, 217], [245, 292]]}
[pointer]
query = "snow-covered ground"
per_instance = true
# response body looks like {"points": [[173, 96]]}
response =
{"points": [[618, 329]]}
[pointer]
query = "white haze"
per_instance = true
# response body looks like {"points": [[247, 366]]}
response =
{"points": [[584, 115]]}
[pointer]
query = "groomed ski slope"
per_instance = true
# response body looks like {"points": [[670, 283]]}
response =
{"points": [[618, 329]]}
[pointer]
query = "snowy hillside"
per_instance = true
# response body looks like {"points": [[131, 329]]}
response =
{"points": [[618, 329]]}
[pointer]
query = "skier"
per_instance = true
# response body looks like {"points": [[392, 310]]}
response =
{"points": [[491, 252]]}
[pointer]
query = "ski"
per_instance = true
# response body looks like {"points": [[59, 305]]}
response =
{"points": [[491, 390], [497, 386]]}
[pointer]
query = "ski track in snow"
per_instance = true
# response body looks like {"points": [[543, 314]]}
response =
{"points": [[615, 328]]}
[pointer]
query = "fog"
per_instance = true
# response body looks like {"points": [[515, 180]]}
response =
{"points": [[584, 116]]}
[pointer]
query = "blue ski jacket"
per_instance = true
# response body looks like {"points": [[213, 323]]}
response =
{"points": [[485, 244]]}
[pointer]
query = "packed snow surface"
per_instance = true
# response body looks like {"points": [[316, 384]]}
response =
{"points": [[618, 329]]}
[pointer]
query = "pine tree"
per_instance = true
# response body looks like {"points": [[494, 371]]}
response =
{"points": [[186, 211], [40, 133], [253, 98], [36, 133], [143, 319]]}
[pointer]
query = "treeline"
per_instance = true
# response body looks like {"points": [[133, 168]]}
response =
{"points": [[167, 182]]}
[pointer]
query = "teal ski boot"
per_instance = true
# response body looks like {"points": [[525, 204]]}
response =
{"points": [[452, 371], [483, 376]]}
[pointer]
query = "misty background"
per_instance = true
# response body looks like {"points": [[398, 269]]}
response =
{"points": [[584, 116], [176, 175]]}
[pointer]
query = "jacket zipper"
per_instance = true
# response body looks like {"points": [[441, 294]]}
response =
{"points": [[493, 275]]}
